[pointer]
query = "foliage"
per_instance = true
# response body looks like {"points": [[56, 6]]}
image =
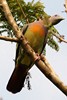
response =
{"points": [[50, 38], [25, 13]]}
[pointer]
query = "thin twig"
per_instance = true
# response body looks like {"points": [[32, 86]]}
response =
{"points": [[22, 11], [59, 37]]}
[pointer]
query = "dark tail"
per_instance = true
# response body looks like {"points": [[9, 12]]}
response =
{"points": [[17, 79]]}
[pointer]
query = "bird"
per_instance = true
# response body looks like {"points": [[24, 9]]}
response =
{"points": [[36, 34]]}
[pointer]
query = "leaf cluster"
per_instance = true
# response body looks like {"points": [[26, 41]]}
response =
{"points": [[51, 40], [25, 13]]}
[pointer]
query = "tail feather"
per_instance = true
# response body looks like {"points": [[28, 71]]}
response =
{"points": [[17, 79]]}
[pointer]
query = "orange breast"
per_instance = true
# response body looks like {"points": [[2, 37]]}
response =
{"points": [[37, 28]]}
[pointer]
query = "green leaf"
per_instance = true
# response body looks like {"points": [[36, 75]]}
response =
{"points": [[26, 12]]}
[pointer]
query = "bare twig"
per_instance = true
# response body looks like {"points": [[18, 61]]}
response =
{"points": [[39, 63], [59, 37], [9, 39]]}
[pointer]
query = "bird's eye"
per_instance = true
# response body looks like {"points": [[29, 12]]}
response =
{"points": [[55, 15]]}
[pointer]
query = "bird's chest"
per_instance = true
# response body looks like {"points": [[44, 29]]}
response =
{"points": [[36, 35]]}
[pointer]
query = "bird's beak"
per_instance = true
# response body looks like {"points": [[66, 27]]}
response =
{"points": [[55, 19], [60, 18]]}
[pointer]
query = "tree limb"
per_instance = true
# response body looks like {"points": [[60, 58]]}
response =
{"points": [[9, 39], [10, 18], [47, 71]]}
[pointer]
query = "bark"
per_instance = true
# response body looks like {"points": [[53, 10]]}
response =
{"points": [[42, 63]]}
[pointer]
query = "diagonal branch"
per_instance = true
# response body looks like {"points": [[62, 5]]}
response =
{"points": [[48, 71], [60, 38], [10, 18], [45, 69]]}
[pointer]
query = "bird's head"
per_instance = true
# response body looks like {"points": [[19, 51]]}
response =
{"points": [[55, 19]]}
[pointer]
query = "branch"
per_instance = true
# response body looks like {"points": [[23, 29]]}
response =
{"points": [[39, 63], [10, 18], [48, 71], [65, 5], [9, 39], [61, 39], [43, 58]]}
